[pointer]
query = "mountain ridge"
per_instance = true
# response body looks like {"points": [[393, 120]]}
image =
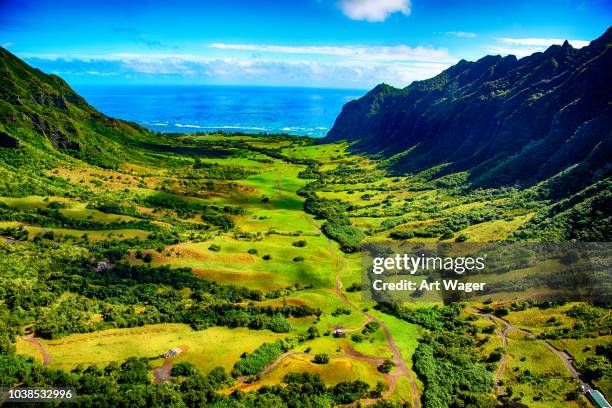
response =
{"points": [[506, 121]]}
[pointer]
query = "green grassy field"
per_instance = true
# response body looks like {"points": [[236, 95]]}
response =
{"points": [[274, 245]]}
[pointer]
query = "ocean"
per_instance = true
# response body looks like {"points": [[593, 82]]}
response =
{"points": [[190, 109]]}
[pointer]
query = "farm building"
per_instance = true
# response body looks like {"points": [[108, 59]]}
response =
{"points": [[103, 266], [339, 331], [172, 352], [598, 399]]}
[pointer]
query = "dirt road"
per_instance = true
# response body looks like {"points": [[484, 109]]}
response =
{"points": [[401, 368], [162, 374], [567, 359], [46, 357]]}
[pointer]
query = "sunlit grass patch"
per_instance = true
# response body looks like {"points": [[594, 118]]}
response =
{"points": [[207, 349]]}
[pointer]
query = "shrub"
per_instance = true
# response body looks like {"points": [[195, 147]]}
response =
{"points": [[386, 366], [370, 327], [447, 234], [502, 311], [147, 257], [278, 324], [496, 355], [400, 235], [354, 287], [298, 259], [214, 247], [341, 311], [49, 235], [266, 257], [253, 251], [321, 359], [300, 244], [461, 238], [54, 205]]}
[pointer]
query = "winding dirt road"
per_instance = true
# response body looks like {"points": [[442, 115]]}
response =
{"points": [[46, 357], [567, 359], [401, 368]]}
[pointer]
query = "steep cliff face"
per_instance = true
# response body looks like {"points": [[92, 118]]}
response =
{"points": [[42, 114], [504, 120]]}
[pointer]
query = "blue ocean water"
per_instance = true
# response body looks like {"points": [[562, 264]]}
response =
{"points": [[190, 109]]}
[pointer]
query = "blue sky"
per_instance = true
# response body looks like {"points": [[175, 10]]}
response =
{"points": [[321, 43]]}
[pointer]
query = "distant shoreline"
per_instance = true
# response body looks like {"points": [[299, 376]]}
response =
{"points": [[199, 108]]}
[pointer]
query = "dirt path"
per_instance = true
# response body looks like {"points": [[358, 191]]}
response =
{"points": [[401, 368], [349, 353], [503, 334], [567, 359], [162, 374], [36, 342]]}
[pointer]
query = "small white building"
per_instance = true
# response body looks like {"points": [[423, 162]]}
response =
{"points": [[339, 331], [102, 266], [172, 352]]}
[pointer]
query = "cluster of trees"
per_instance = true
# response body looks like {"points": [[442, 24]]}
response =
{"points": [[17, 233], [53, 218], [111, 207], [338, 225], [264, 355], [592, 321], [447, 228], [127, 296], [215, 215], [127, 384], [584, 216], [253, 317], [216, 172], [446, 359]]}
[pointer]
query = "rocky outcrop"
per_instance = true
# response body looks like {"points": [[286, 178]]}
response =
{"points": [[58, 139], [9, 141]]}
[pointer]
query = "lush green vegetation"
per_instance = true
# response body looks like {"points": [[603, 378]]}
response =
{"points": [[447, 358], [239, 249]]}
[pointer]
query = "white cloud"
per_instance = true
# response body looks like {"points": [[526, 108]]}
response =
{"points": [[347, 73], [461, 34], [7, 44], [541, 42], [373, 10], [354, 66], [370, 53]]}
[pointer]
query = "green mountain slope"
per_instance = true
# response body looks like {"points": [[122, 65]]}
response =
{"points": [[542, 122], [44, 118], [504, 120]]}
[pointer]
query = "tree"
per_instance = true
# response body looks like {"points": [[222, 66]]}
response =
{"points": [[184, 369], [321, 358], [386, 366]]}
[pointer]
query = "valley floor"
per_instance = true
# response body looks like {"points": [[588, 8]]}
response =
{"points": [[239, 219]]}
